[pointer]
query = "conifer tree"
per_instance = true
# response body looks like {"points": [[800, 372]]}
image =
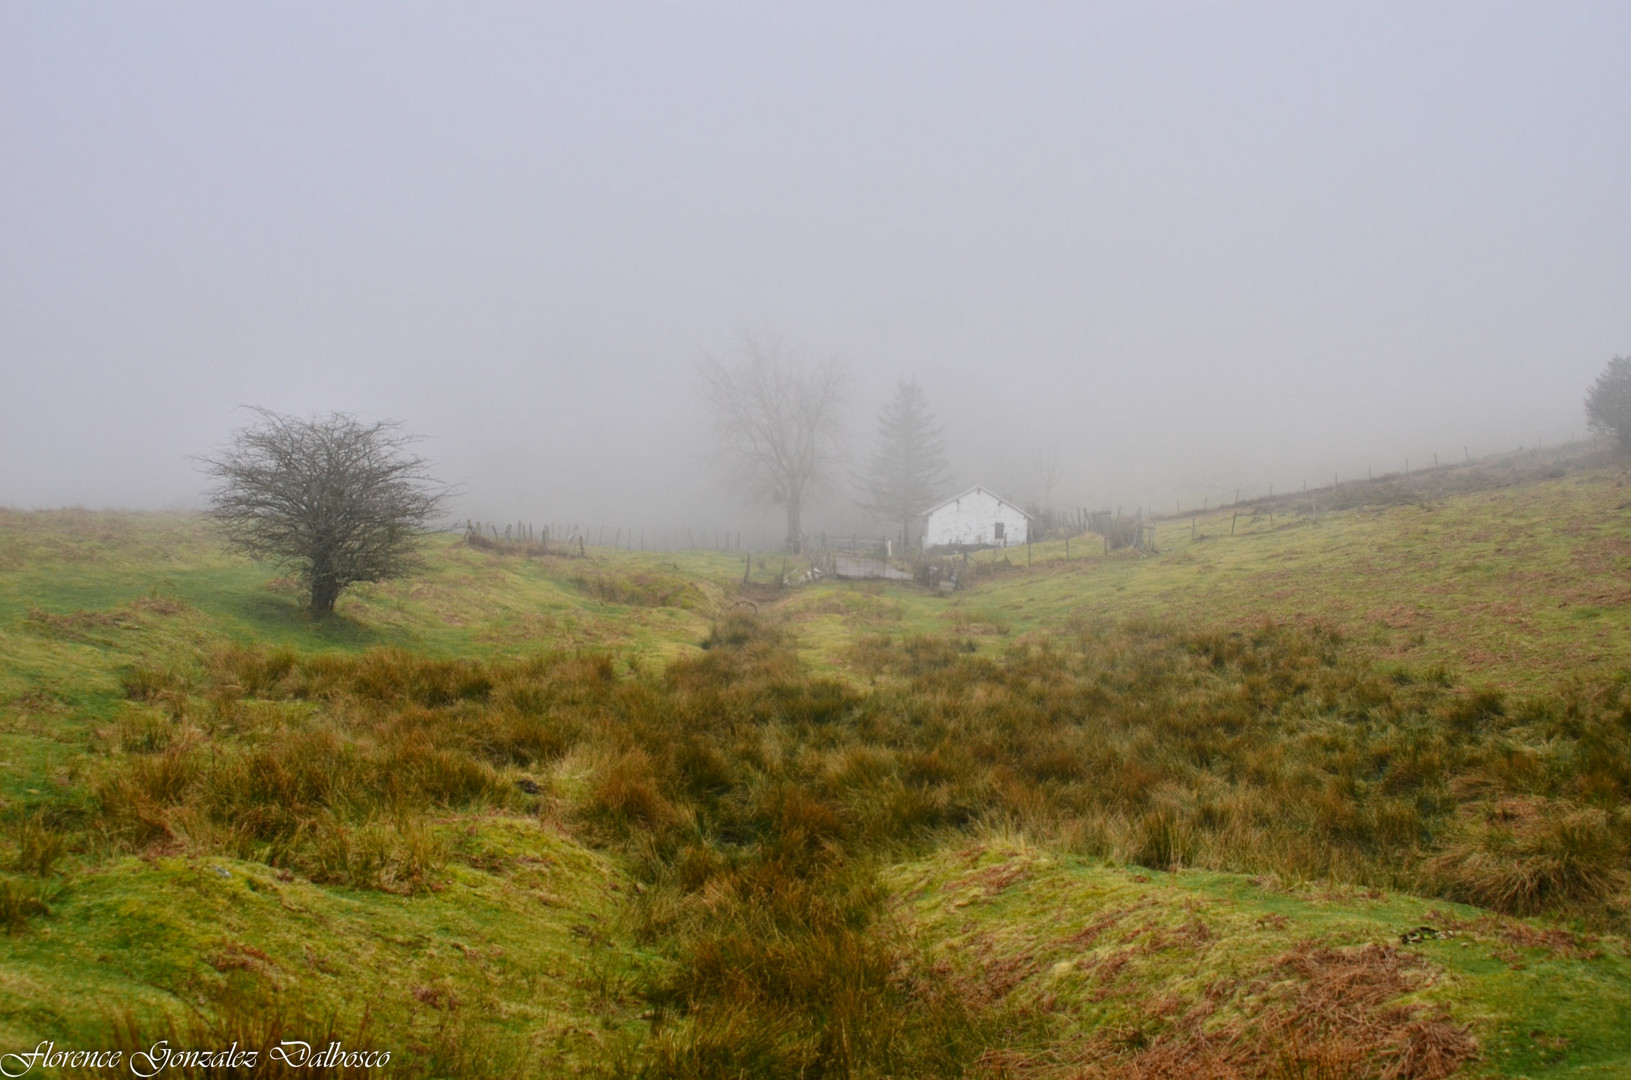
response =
{"points": [[1608, 403], [908, 468]]}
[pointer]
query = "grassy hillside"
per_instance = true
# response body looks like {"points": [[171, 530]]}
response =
{"points": [[1341, 795], [1518, 586]]}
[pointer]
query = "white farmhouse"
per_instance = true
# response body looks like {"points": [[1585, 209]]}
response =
{"points": [[976, 518]]}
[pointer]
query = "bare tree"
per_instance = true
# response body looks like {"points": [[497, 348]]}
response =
{"points": [[908, 468], [776, 420], [337, 500]]}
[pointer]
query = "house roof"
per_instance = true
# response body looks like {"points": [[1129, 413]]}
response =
{"points": [[966, 494]]}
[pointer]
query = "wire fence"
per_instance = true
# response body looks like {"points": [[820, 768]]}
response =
{"points": [[1082, 529]]}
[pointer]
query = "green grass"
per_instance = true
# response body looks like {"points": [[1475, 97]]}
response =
{"points": [[1085, 949], [550, 814], [524, 961], [1519, 587], [469, 601]]}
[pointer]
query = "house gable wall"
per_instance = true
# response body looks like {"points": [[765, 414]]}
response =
{"points": [[971, 520]]}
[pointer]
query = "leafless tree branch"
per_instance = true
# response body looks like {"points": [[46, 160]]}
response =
{"points": [[338, 500], [776, 419]]}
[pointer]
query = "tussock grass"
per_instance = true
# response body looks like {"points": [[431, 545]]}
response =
{"points": [[1528, 855], [39, 847], [251, 1019], [19, 902], [756, 803]]}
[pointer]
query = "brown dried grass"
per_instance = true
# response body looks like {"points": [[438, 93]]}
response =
{"points": [[1314, 1013]]}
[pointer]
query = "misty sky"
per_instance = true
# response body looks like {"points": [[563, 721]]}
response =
{"points": [[1193, 246]]}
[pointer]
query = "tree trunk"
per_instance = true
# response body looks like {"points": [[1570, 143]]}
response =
{"points": [[325, 589], [795, 535]]}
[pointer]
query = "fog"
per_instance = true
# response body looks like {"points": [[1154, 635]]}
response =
{"points": [[1194, 247]]}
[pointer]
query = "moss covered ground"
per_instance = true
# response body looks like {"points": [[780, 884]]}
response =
{"points": [[1119, 962]]}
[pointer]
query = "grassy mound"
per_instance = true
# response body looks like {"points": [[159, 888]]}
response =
{"points": [[1113, 971], [513, 963]]}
